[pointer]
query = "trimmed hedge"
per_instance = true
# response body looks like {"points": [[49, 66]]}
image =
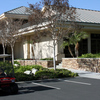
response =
{"points": [[22, 69], [42, 73], [23, 77], [58, 73], [16, 62], [90, 55], [47, 59], [6, 67]]}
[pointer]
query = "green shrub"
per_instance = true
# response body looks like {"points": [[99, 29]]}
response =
{"points": [[38, 67], [42, 73], [58, 73], [23, 77], [22, 69], [25, 59], [20, 59], [7, 67], [65, 73], [47, 59], [90, 55], [16, 62]]}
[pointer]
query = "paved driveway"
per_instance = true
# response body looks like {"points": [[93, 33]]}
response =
{"points": [[58, 89]]}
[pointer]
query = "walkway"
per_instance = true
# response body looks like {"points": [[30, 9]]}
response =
{"points": [[86, 74]]}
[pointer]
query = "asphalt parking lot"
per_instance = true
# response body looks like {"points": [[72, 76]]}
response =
{"points": [[57, 89]]}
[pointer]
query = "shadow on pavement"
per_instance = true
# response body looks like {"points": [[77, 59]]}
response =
{"points": [[25, 90]]}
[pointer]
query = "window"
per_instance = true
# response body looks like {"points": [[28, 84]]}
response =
{"points": [[95, 43]]}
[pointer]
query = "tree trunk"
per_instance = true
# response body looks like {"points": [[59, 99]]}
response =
{"points": [[76, 49], [70, 51], [3, 52], [12, 55], [54, 61], [12, 60]]}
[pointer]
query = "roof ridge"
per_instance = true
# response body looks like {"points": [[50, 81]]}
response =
{"points": [[88, 9], [14, 9]]}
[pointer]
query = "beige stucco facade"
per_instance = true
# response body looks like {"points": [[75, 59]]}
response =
{"points": [[42, 49]]}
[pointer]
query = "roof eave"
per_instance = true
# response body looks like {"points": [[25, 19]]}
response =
{"points": [[17, 15], [88, 23]]}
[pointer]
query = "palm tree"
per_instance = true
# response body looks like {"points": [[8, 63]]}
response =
{"points": [[74, 39]]}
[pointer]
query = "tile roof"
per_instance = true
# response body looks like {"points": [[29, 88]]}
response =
{"points": [[89, 16], [20, 10], [84, 15]]}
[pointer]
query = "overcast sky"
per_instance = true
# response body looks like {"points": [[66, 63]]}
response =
{"points": [[6, 5]]}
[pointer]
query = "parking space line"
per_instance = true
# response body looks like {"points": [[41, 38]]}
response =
{"points": [[77, 82], [46, 86]]}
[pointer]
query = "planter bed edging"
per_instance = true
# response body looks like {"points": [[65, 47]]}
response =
{"points": [[87, 64], [44, 63]]}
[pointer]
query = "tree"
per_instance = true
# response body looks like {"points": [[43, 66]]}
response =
{"points": [[73, 40], [10, 32], [56, 17], [3, 38]]}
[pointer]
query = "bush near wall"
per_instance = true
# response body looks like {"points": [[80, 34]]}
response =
{"points": [[47, 59], [58, 73], [90, 55], [42, 73], [23, 77]]}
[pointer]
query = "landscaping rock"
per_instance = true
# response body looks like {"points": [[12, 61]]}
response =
{"points": [[27, 72], [34, 71], [17, 65]]}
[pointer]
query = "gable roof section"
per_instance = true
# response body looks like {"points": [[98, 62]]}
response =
{"points": [[84, 15], [19, 11], [88, 16]]}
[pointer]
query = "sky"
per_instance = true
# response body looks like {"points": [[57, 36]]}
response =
{"points": [[6, 5]]}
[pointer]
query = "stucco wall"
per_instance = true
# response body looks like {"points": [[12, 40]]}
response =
{"points": [[44, 49], [20, 49], [88, 64]]}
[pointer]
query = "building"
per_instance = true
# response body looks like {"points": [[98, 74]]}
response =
{"points": [[90, 19]]}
